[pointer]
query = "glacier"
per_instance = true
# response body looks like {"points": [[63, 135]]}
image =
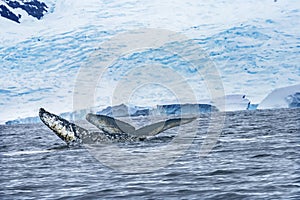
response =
{"points": [[286, 97], [236, 102], [255, 49]]}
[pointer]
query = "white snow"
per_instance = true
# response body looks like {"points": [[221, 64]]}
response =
{"points": [[254, 44], [280, 97]]}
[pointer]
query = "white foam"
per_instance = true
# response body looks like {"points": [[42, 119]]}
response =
{"points": [[17, 153]]}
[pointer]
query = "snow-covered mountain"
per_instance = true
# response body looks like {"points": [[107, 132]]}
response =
{"points": [[254, 45], [12, 9]]}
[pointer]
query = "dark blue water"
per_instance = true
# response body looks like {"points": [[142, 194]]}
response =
{"points": [[256, 157]]}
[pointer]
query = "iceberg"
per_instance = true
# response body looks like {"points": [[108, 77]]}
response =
{"points": [[232, 102], [286, 97], [160, 110], [183, 109], [71, 116], [125, 111], [252, 106], [293, 100], [236, 102], [27, 120]]}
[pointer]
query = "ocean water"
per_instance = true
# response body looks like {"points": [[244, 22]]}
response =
{"points": [[256, 157]]}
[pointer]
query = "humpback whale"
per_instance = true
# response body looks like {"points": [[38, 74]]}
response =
{"points": [[111, 129]]}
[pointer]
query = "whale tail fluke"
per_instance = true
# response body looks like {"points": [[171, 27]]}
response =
{"points": [[156, 128], [115, 126]]}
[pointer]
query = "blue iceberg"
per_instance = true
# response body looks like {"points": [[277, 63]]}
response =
{"points": [[160, 110], [288, 97], [27, 120], [184, 109], [293, 100], [237, 102], [125, 111]]}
